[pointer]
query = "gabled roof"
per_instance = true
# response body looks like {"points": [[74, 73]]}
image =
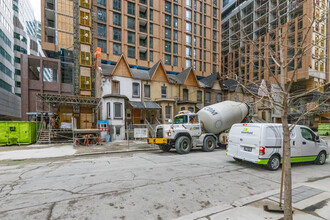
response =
{"points": [[183, 75], [173, 79], [231, 84], [252, 88], [153, 69], [209, 80], [140, 74], [107, 69], [122, 57]]}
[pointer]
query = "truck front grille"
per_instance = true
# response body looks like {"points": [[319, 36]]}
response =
{"points": [[159, 133]]}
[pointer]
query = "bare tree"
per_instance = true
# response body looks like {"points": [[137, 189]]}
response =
{"points": [[281, 58]]}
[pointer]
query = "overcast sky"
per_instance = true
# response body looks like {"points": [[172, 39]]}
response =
{"points": [[36, 5]]}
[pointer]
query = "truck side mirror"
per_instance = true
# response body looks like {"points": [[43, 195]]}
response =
{"points": [[170, 121], [317, 138]]}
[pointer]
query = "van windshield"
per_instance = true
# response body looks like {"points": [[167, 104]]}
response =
{"points": [[181, 119]]}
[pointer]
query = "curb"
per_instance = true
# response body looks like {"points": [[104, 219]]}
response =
{"points": [[84, 154], [114, 152], [206, 213]]}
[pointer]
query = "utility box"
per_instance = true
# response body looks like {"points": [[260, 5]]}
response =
{"points": [[17, 132]]}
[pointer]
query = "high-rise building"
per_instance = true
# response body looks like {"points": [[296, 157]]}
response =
{"points": [[250, 49], [18, 35], [250, 37], [9, 102], [25, 38], [181, 33], [56, 25]]}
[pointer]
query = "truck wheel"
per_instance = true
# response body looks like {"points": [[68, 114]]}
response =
{"points": [[321, 158], [274, 163], [183, 145], [209, 144], [165, 147]]}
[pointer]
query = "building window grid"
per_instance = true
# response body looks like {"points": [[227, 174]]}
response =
{"points": [[175, 25]]}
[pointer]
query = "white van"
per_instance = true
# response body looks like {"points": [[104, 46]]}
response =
{"points": [[261, 143]]}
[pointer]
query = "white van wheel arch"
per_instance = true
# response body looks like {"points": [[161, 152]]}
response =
{"points": [[321, 158], [274, 162]]}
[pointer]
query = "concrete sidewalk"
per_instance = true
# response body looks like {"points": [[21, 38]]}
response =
{"points": [[311, 200], [35, 151]]}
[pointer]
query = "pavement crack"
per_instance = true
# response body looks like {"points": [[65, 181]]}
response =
{"points": [[16, 182], [274, 181], [51, 208]]}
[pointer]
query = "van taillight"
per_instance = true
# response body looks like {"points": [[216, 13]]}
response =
{"points": [[261, 151]]}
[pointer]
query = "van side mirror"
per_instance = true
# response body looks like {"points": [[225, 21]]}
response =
{"points": [[317, 138], [170, 121]]}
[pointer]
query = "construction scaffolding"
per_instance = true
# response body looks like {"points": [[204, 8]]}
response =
{"points": [[54, 129]]}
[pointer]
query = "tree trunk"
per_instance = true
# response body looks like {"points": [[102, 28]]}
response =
{"points": [[287, 163]]}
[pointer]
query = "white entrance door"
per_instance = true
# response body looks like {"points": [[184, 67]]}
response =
{"points": [[118, 132]]}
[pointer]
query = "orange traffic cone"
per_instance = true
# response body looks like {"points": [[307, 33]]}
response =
{"points": [[76, 142], [87, 142]]}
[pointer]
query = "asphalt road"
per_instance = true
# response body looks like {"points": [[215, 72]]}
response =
{"points": [[150, 185]]}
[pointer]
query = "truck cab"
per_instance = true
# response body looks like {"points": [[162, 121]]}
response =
{"points": [[188, 121], [183, 133]]}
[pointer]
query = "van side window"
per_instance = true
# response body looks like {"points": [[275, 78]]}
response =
{"points": [[307, 134]]}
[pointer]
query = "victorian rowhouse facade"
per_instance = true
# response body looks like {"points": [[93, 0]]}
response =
{"points": [[132, 96], [119, 88]]}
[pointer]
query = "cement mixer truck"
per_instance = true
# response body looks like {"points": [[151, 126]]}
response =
{"points": [[202, 129]]}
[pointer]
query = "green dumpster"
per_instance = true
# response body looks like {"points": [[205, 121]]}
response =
{"points": [[17, 132], [324, 129]]}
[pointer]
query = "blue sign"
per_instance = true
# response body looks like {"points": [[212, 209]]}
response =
{"points": [[103, 122]]}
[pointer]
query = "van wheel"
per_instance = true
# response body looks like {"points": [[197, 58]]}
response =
{"points": [[165, 147], [274, 163], [209, 144], [183, 145], [321, 158]]}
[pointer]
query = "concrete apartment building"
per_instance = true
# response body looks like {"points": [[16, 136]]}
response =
{"points": [[249, 33], [180, 33]]}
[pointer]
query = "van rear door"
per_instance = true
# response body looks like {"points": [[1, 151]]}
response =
{"points": [[249, 142], [233, 140]]}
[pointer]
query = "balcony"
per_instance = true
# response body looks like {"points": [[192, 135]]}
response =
{"points": [[143, 26], [50, 4], [143, 40], [143, 12], [50, 23]]}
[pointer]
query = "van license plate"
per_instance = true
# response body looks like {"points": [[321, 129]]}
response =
{"points": [[248, 149]]}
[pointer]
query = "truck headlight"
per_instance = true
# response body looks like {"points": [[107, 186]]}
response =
{"points": [[169, 133]]}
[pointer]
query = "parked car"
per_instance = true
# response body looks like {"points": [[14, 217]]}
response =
{"points": [[261, 143]]}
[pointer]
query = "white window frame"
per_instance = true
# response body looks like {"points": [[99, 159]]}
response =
{"points": [[138, 85], [108, 110], [121, 110]]}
